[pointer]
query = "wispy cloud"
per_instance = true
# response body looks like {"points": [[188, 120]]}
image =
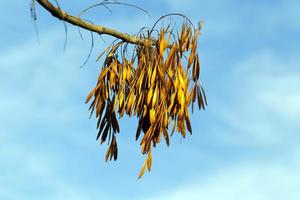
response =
{"points": [[229, 19], [251, 180], [264, 105]]}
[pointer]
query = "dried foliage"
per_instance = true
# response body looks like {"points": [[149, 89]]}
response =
{"points": [[157, 80], [157, 83]]}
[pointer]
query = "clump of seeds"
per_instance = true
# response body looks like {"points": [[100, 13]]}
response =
{"points": [[157, 84]]}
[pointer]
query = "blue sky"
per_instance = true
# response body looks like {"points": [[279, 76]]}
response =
{"points": [[244, 146]]}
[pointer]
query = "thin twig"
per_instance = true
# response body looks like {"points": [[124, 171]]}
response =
{"points": [[173, 14], [34, 18], [90, 52], [105, 3], [62, 15]]}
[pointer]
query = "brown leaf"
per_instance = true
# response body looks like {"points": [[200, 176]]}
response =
{"points": [[99, 106], [105, 133], [115, 149], [166, 136], [90, 96], [188, 124], [108, 152], [139, 129], [103, 73], [115, 122], [103, 122], [200, 99], [191, 59], [92, 107], [203, 95], [173, 127]]}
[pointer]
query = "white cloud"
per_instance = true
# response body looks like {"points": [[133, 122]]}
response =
{"points": [[233, 18], [272, 81], [285, 98], [263, 105], [30, 173], [257, 180], [33, 76]]}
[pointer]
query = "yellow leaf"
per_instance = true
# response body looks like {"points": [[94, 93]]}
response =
{"points": [[180, 77], [103, 73], [191, 58], [182, 100], [142, 170], [172, 101], [121, 99], [149, 161], [128, 74], [129, 103], [124, 73], [106, 93], [152, 116], [155, 96], [165, 119], [153, 76], [161, 44], [90, 96], [149, 95]]}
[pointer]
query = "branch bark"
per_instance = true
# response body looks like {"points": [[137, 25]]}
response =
{"points": [[76, 21]]}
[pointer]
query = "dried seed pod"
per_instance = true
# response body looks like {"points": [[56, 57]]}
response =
{"points": [[157, 84]]}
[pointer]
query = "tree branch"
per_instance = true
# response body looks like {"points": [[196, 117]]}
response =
{"points": [[62, 15]]}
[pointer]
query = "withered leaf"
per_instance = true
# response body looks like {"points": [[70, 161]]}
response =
{"points": [[149, 161], [188, 124], [155, 89], [203, 95], [115, 148], [200, 100], [166, 136], [139, 129], [115, 122], [116, 153], [105, 133], [90, 96], [92, 107], [108, 152], [103, 122], [142, 170], [103, 73]]}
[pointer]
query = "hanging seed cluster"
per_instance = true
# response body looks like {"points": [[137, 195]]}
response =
{"points": [[157, 84]]}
